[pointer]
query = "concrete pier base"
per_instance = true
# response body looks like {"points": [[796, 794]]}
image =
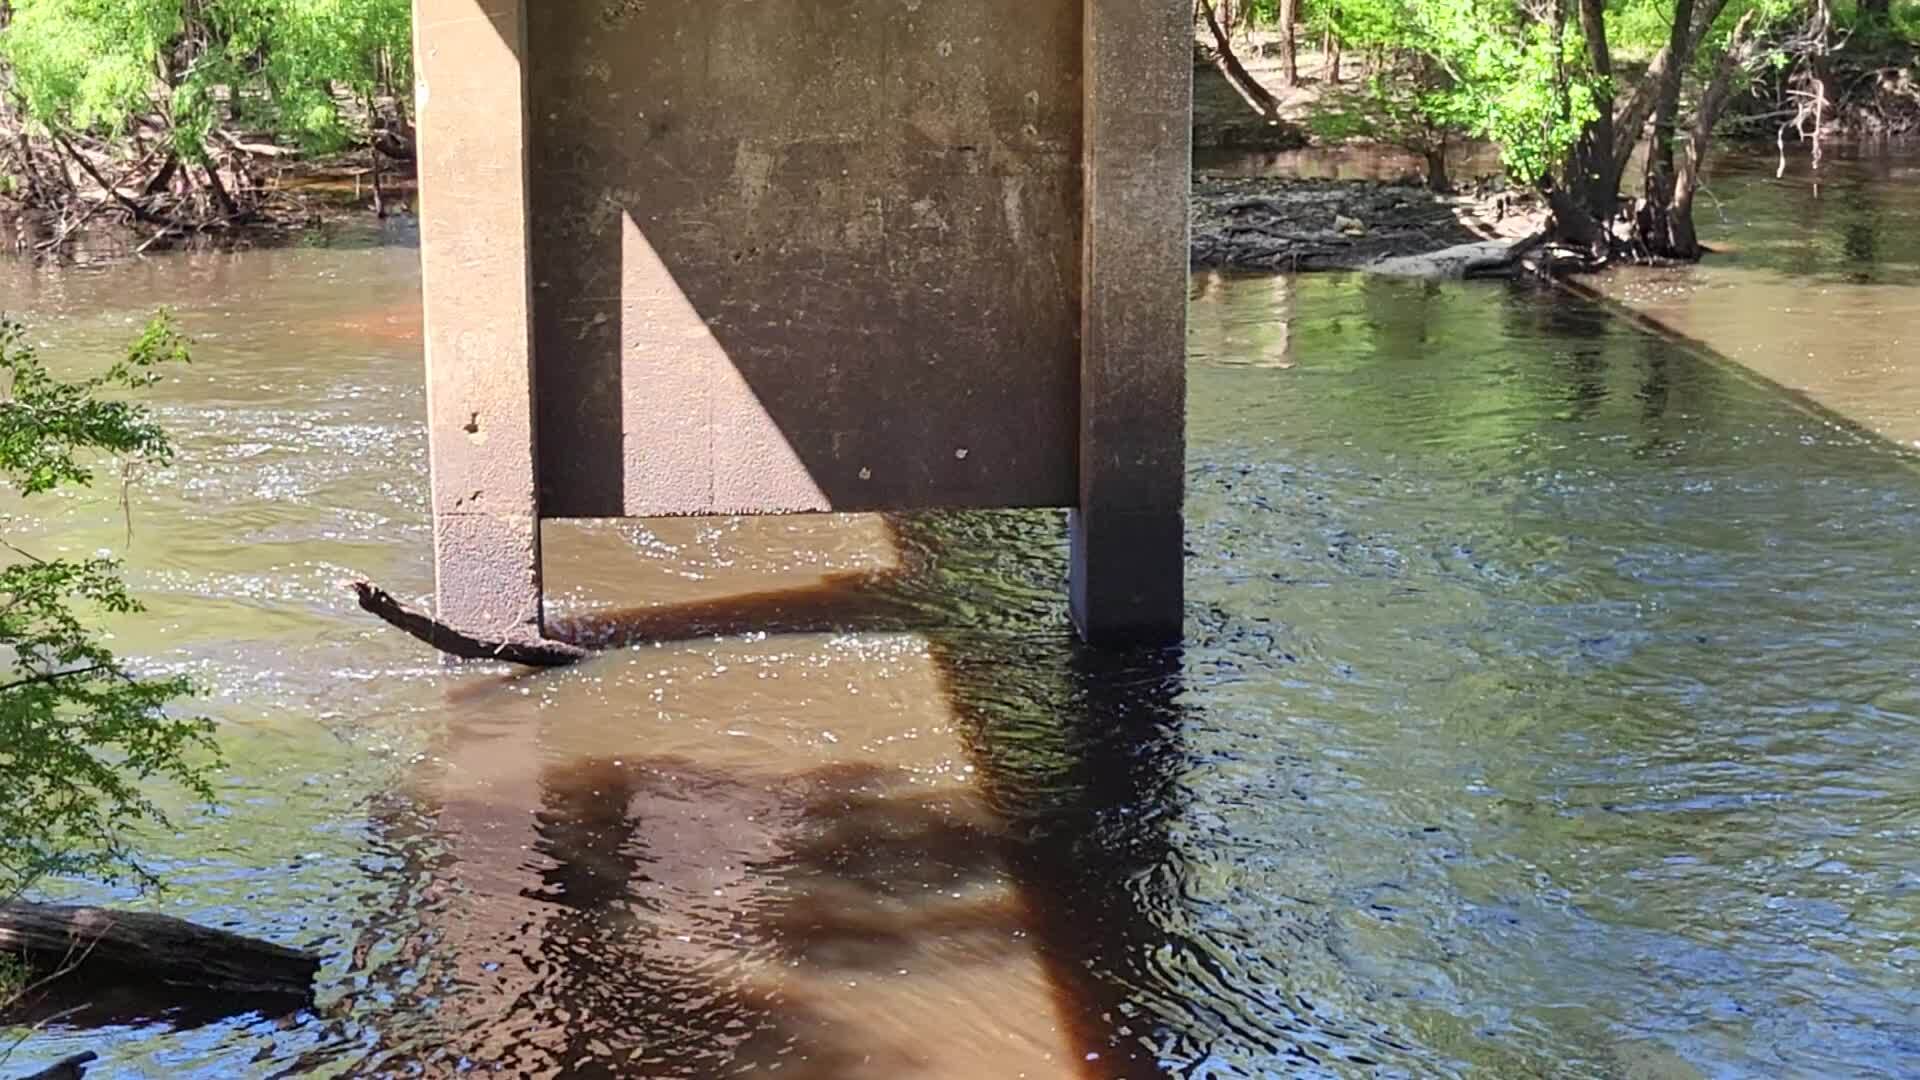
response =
{"points": [[1125, 584]]}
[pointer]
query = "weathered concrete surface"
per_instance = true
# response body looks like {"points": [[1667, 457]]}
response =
{"points": [[1128, 548], [793, 255], [473, 229]]}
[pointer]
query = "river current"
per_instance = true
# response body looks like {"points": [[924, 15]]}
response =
{"points": [[1548, 705]]}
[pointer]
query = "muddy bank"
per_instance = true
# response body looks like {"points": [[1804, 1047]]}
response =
{"points": [[1268, 224], [1258, 224]]}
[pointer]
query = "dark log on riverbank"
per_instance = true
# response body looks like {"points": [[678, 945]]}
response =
{"points": [[1480, 259], [90, 945], [424, 627], [73, 1067]]}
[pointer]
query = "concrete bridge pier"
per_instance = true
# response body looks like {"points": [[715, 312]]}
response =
{"points": [[779, 256], [478, 303], [1126, 580]]}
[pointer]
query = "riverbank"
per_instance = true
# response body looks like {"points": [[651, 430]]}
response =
{"points": [[296, 201], [1870, 92], [1291, 225], [1254, 224], [1369, 213]]}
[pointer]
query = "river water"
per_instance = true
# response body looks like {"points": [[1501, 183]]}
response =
{"points": [[1548, 706]]}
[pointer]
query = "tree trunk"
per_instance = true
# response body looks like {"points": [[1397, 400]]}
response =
{"points": [[1236, 73], [107, 186], [36, 195], [162, 179], [1573, 225], [1653, 221], [373, 157], [93, 945], [1815, 109], [1247, 14], [1593, 179], [1437, 179], [397, 141], [1741, 48], [1290, 41], [1630, 116], [220, 195], [1666, 103], [1333, 57], [1557, 33]]}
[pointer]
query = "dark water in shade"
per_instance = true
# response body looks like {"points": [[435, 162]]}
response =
{"points": [[1548, 708]]}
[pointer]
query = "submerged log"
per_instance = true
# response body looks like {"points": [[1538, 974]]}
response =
{"points": [[95, 945], [424, 627]]}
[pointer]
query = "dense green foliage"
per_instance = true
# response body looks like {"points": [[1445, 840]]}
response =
{"points": [[296, 69], [1517, 72], [81, 736], [1488, 69], [13, 982]]}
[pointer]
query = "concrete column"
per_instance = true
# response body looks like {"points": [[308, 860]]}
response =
{"points": [[473, 252], [1127, 574]]}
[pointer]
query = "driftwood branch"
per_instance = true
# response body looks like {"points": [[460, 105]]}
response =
{"points": [[1479, 259], [1508, 263], [541, 653], [96, 945], [256, 149], [50, 676]]}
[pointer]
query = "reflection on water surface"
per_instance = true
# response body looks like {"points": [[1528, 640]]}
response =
{"points": [[1547, 709]]}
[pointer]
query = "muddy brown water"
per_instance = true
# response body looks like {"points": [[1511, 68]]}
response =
{"points": [[1548, 706]]}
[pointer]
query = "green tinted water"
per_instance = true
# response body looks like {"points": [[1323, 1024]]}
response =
{"points": [[1548, 708]]}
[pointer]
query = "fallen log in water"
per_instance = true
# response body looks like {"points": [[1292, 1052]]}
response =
{"points": [[377, 601], [91, 946]]}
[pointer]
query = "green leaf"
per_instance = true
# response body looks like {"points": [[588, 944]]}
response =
{"points": [[82, 736]]}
